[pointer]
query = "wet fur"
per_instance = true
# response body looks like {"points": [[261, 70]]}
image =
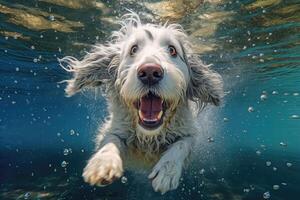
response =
{"points": [[173, 141]]}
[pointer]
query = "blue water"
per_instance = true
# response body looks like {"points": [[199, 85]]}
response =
{"points": [[249, 146]]}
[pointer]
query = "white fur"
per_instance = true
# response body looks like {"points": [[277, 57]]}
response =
{"points": [[121, 138]]}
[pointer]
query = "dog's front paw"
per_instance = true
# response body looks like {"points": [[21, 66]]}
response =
{"points": [[165, 176], [103, 168]]}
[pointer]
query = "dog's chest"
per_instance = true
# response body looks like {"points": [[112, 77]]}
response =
{"points": [[136, 158]]}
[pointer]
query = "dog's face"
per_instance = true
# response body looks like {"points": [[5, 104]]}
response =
{"points": [[153, 75], [152, 70]]}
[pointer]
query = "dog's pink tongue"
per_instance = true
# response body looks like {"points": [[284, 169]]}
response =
{"points": [[150, 107]]}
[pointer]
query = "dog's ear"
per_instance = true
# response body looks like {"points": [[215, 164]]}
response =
{"points": [[94, 69], [206, 86]]}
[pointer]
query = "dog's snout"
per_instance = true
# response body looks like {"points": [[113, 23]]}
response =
{"points": [[150, 73]]}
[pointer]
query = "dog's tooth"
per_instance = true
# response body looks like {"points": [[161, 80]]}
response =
{"points": [[149, 120], [140, 114], [160, 114]]}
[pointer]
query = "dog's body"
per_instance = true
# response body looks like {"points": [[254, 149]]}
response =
{"points": [[152, 79]]}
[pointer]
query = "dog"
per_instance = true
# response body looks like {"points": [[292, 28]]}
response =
{"points": [[152, 80]]}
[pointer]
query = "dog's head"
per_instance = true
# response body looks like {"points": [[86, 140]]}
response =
{"points": [[151, 68]]}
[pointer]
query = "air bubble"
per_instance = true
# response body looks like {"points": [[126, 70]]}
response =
{"points": [[250, 109], [124, 180], [202, 171], [27, 195], [266, 195], [283, 144], [275, 187], [263, 97], [295, 117], [66, 152], [289, 164], [64, 164], [246, 190], [210, 139], [72, 132], [51, 18]]}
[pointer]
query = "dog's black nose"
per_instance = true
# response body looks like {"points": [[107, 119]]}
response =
{"points": [[150, 73]]}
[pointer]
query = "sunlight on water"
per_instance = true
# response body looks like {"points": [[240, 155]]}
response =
{"points": [[247, 149]]}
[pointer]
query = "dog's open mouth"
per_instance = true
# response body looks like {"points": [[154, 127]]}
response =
{"points": [[150, 110]]}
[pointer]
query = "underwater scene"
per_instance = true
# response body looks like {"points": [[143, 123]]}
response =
{"points": [[248, 148]]}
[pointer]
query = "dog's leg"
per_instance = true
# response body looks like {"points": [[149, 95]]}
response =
{"points": [[106, 164], [166, 173]]}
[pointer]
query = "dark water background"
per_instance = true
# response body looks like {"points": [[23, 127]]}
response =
{"points": [[249, 147]]}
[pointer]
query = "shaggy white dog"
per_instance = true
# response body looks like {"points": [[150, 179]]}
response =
{"points": [[152, 78]]}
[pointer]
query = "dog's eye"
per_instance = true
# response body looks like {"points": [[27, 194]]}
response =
{"points": [[133, 50], [172, 51]]}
